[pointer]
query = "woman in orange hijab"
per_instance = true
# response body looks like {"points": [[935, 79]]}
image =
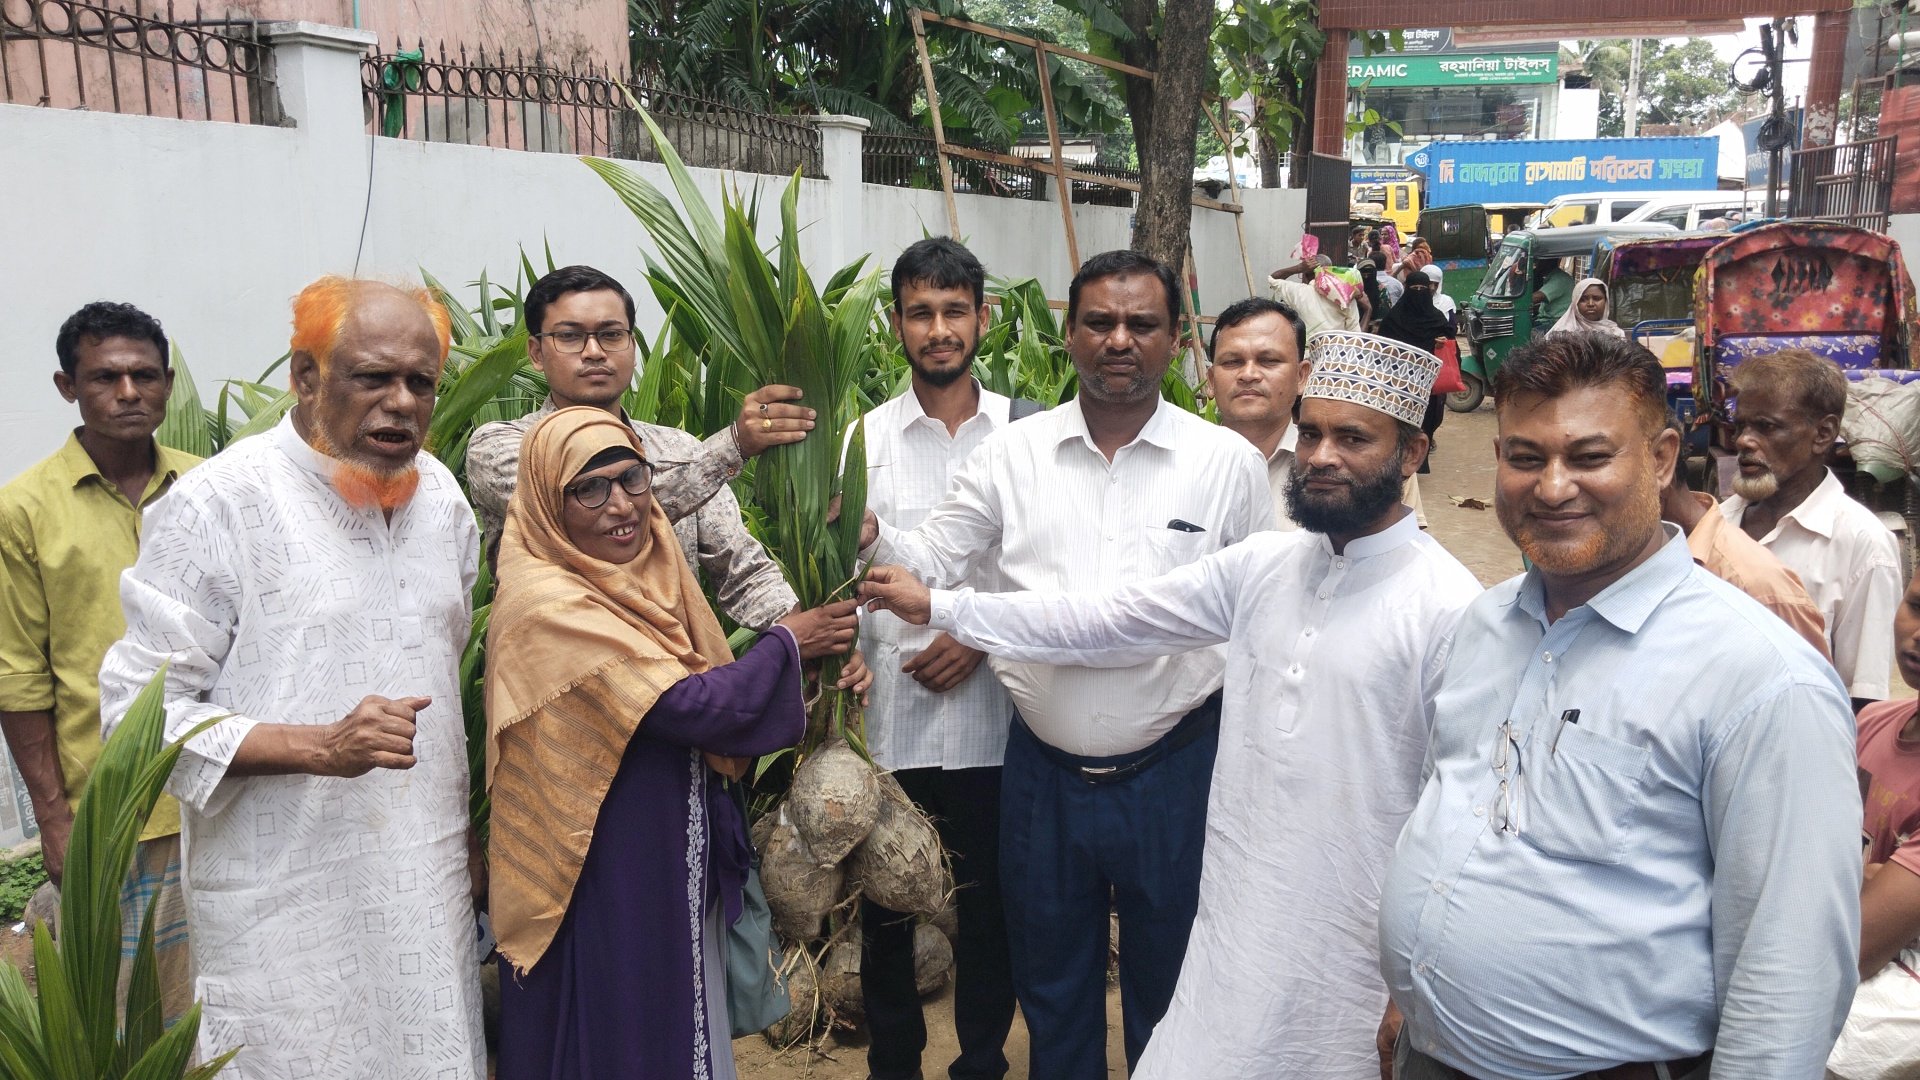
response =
{"points": [[617, 857]]}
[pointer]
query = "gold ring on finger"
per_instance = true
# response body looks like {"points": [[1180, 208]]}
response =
{"points": [[766, 425]]}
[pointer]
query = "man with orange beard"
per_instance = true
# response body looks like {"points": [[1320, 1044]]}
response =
{"points": [[308, 591]]}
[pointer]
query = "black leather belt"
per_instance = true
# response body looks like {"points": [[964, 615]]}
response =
{"points": [[1201, 719]]}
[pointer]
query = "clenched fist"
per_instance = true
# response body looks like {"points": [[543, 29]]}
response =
{"points": [[377, 734]]}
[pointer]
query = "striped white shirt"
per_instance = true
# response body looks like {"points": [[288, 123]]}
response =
{"points": [[910, 460], [1039, 502]]}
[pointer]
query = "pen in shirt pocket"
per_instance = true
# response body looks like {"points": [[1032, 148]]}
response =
{"points": [[1571, 716], [1178, 525]]}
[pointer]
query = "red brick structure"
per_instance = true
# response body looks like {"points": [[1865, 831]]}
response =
{"points": [[1338, 17]]}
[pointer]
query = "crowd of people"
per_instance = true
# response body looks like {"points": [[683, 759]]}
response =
{"points": [[1355, 815]]}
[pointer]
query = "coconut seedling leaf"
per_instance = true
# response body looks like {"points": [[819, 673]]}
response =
{"points": [[22, 1052], [144, 1024], [185, 427]]}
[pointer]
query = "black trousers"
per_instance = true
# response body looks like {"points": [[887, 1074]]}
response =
{"points": [[965, 807]]}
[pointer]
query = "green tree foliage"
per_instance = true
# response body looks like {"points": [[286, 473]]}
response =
{"points": [[855, 57], [1686, 84]]}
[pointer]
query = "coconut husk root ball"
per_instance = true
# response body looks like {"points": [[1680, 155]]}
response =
{"points": [[948, 921], [840, 984], [803, 991], [799, 890], [932, 958], [901, 865], [832, 801]]}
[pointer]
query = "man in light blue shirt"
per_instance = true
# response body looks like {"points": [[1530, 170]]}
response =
{"points": [[1637, 852]]}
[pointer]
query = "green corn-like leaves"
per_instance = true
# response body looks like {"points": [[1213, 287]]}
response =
{"points": [[465, 393], [70, 1029], [758, 319], [187, 427]]}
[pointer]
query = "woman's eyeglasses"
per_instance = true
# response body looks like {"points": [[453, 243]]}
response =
{"points": [[574, 342], [594, 491]]}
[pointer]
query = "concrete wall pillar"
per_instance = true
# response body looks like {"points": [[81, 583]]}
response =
{"points": [[316, 71], [1330, 97], [1824, 76], [840, 138]]}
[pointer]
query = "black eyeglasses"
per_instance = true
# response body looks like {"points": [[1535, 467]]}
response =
{"points": [[594, 491], [572, 342]]}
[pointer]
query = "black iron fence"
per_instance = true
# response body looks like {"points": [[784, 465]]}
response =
{"points": [[520, 104], [68, 54], [909, 161], [1851, 184], [1100, 194]]}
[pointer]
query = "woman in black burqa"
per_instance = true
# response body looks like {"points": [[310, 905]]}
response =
{"points": [[1415, 321]]}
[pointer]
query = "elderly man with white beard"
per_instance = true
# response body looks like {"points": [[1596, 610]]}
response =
{"points": [[308, 591], [1786, 418], [1336, 637]]}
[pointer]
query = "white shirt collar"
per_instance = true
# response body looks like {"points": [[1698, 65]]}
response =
{"points": [[288, 439], [1404, 531], [1287, 442], [1158, 429], [1817, 513], [912, 412]]}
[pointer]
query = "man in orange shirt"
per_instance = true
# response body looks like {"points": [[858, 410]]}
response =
{"points": [[1739, 559]]}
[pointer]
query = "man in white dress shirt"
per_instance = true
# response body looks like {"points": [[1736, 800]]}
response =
{"points": [[1786, 419], [1336, 640], [308, 590], [1256, 364], [937, 718], [1104, 787]]}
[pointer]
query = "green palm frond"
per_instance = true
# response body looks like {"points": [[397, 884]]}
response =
{"points": [[186, 427], [69, 1026]]}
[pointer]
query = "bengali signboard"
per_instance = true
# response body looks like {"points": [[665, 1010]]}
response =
{"points": [[1451, 69], [1384, 174], [1532, 170]]}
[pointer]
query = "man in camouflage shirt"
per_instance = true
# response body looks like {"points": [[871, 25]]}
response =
{"points": [[581, 337]]}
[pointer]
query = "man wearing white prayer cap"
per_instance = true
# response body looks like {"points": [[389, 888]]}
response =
{"points": [[1336, 637]]}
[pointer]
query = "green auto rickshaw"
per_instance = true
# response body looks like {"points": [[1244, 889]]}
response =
{"points": [[1462, 237], [1502, 314]]}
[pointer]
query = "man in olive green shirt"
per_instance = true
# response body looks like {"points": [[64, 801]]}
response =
{"points": [[68, 527], [1552, 292]]}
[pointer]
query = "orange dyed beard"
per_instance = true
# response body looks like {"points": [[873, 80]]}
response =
{"points": [[370, 489], [1614, 540], [363, 486]]}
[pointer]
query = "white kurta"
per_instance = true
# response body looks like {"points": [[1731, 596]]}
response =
{"points": [[1850, 565], [1332, 662], [330, 918]]}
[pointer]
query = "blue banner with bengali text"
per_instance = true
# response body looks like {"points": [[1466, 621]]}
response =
{"points": [[1536, 170]]}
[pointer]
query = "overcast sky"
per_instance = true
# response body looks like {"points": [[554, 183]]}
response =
{"points": [[1732, 45]]}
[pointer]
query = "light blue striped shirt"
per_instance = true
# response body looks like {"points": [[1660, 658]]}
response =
{"points": [[1686, 872]]}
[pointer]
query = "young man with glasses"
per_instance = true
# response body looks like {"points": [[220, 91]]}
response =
{"points": [[1637, 853], [580, 336]]}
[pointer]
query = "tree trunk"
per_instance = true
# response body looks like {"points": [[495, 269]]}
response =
{"points": [[1306, 93], [1268, 153], [1162, 224]]}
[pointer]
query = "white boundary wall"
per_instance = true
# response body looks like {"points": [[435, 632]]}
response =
{"points": [[213, 227]]}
